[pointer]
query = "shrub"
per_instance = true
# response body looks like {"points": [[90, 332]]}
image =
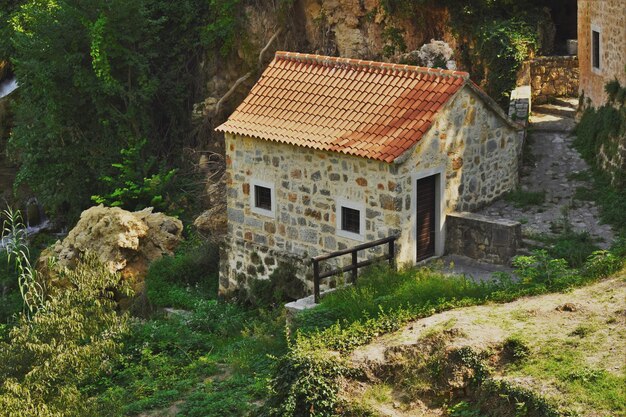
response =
{"points": [[516, 348], [43, 375], [574, 247], [305, 383], [176, 281], [283, 284]]}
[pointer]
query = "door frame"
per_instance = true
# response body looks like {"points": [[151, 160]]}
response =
{"points": [[440, 187]]}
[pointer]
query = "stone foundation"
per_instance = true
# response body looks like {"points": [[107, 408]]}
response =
{"points": [[482, 238]]}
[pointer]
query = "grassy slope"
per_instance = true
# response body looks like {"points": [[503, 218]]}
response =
{"points": [[575, 359]]}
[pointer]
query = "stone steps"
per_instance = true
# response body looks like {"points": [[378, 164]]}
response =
{"points": [[555, 110]]}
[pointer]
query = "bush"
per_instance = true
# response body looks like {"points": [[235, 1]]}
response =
{"points": [[10, 298], [178, 280], [283, 285], [43, 375], [574, 247]]}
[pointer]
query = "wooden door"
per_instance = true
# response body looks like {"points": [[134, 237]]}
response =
{"points": [[425, 233]]}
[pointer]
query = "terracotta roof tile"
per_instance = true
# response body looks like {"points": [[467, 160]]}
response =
{"points": [[371, 109]]}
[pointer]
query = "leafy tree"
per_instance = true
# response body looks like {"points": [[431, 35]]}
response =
{"points": [[100, 76], [49, 361]]}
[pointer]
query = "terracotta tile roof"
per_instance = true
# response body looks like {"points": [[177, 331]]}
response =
{"points": [[370, 109]]}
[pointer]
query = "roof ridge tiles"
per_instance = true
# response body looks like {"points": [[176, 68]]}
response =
{"points": [[330, 61]]}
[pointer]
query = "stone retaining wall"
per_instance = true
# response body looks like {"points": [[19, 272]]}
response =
{"points": [[482, 238], [553, 76]]}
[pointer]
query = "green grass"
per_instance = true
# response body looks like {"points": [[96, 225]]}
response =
{"points": [[182, 280], [564, 363], [524, 199], [382, 289], [214, 361]]}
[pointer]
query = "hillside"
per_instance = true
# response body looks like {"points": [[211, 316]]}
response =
{"points": [[566, 347]]}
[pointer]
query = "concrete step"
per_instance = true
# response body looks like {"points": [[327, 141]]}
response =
{"points": [[555, 110]]}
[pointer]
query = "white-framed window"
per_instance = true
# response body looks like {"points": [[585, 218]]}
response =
{"points": [[350, 219], [262, 198], [596, 42]]}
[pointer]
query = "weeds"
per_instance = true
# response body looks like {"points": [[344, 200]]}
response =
{"points": [[525, 199]]}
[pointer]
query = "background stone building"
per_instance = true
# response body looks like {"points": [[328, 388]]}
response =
{"points": [[601, 46], [326, 153]]}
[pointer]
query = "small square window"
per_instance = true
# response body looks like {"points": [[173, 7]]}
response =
{"points": [[350, 220], [262, 197]]}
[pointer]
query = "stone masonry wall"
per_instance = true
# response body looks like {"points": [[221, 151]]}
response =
{"points": [[482, 238], [610, 17], [553, 76], [307, 184]]}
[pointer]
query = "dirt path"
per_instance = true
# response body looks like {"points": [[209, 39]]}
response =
{"points": [[553, 171]]}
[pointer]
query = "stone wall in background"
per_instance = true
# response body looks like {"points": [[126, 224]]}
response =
{"points": [[553, 76], [482, 238]]}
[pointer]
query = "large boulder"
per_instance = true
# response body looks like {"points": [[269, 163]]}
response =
{"points": [[126, 242]]}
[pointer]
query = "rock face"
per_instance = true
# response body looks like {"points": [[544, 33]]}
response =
{"points": [[126, 242]]}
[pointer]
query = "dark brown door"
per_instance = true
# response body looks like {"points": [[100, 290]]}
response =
{"points": [[425, 217]]}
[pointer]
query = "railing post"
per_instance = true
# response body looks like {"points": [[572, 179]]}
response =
{"points": [[355, 271], [316, 281], [392, 253]]}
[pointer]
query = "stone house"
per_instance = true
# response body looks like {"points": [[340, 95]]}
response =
{"points": [[601, 46], [327, 153]]}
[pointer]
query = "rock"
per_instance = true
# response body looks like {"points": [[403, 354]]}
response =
{"points": [[569, 307], [126, 242], [210, 223]]}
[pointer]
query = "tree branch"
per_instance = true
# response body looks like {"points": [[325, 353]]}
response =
{"points": [[237, 83]]}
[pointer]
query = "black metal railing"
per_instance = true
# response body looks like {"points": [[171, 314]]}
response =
{"points": [[355, 265]]}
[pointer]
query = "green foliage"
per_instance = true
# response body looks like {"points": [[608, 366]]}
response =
{"points": [[604, 127], [139, 183], [283, 284], [394, 41], [464, 409], [10, 299], [305, 383], [97, 77], [540, 268], [49, 361], [225, 25], [31, 288], [212, 360], [516, 348], [524, 199], [502, 47], [181, 280]]}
